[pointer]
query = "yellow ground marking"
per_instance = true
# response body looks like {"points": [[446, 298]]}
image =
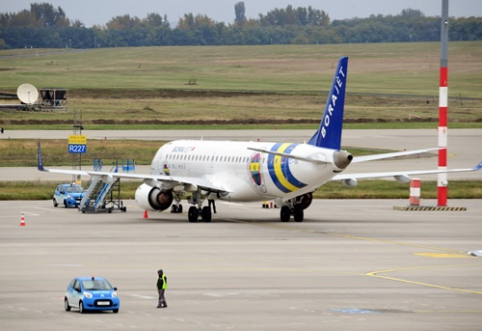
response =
{"points": [[445, 255], [376, 274]]}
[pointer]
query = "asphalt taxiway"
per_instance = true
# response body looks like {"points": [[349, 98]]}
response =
{"points": [[351, 265]]}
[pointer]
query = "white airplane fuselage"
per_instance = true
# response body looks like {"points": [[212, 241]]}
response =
{"points": [[247, 175]]}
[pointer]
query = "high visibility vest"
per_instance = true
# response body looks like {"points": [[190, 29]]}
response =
{"points": [[164, 284]]}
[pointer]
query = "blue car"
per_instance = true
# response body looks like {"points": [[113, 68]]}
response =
{"points": [[68, 195], [91, 294]]}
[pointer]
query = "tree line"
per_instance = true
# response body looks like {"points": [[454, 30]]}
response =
{"points": [[44, 26]]}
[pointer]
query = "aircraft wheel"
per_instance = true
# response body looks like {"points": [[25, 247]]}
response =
{"points": [[298, 213], [174, 209], [285, 214], [206, 214], [193, 214]]}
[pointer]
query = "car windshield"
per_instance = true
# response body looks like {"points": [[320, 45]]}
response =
{"points": [[96, 285], [74, 189]]}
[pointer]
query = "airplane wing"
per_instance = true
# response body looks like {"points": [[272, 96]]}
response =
{"points": [[401, 174], [171, 181]]}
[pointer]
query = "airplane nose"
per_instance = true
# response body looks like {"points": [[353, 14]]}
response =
{"points": [[342, 159]]}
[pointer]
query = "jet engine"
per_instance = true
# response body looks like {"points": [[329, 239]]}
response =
{"points": [[305, 200], [153, 198]]}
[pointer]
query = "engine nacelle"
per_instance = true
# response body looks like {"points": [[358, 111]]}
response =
{"points": [[402, 178], [352, 182], [153, 198], [306, 200]]}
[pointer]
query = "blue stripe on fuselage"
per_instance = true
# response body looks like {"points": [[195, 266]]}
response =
{"points": [[279, 169]]}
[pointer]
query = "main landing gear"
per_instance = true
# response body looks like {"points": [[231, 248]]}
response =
{"points": [[292, 208], [198, 211], [195, 212]]}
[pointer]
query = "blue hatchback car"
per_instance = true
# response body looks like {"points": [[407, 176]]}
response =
{"points": [[68, 195], [91, 293]]}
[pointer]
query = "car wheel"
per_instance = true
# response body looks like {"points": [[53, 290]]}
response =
{"points": [[115, 311], [65, 204], [66, 305], [81, 307], [55, 203]]}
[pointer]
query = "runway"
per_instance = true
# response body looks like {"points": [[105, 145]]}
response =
{"points": [[463, 151], [351, 265]]}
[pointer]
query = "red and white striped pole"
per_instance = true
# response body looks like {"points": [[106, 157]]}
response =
{"points": [[442, 182], [415, 192]]}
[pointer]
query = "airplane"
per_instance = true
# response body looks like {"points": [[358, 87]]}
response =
{"points": [[235, 171]]}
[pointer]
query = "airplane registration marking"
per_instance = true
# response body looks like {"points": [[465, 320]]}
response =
{"points": [[279, 169]]}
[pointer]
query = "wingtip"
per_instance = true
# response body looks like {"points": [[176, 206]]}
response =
{"points": [[478, 166], [40, 165]]}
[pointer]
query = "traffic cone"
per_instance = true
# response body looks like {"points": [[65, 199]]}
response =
{"points": [[145, 214], [22, 220]]}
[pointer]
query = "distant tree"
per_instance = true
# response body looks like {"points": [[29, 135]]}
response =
{"points": [[189, 21], [123, 22], [156, 20], [300, 16], [239, 11], [51, 17], [43, 25], [411, 13]]}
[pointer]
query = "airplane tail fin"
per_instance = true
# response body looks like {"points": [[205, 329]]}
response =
{"points": [[329, 132]]}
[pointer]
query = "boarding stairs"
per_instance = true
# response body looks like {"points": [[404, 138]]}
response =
{"points": [[103, 195]]}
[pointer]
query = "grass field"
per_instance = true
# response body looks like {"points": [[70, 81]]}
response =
{"points": [[394, 68], [147, 87]]}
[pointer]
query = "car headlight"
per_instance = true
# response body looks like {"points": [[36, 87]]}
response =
{"points": [[88, 295], [114, 294], [69, 196]]}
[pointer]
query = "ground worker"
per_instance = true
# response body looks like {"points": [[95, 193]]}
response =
{"points": [[161, 288]]}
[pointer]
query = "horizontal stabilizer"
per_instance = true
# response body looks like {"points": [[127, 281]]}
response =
{"points": [[373, 157], [402, 173]]}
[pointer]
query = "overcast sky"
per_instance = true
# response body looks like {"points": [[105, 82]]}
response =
{"points": [[99, 12]]}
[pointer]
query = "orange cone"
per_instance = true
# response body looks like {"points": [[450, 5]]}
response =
{"points": [[22, 220], [145, 214]]}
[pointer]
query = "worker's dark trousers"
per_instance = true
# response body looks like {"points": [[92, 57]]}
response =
{"points": [[162, 301]]}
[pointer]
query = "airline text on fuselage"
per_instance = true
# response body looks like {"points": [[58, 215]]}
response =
{"points": [[182, 149]]}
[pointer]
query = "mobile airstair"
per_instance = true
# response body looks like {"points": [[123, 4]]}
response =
{"points": [[103, 195]]}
